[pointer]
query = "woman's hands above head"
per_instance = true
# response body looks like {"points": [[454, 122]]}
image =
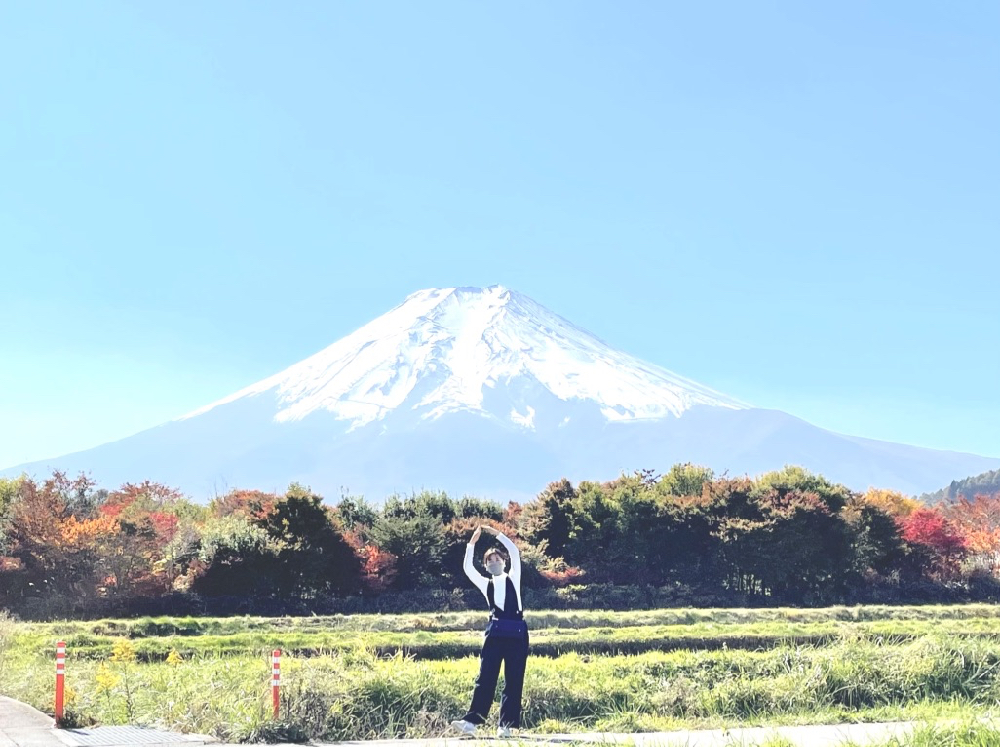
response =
{"points": [[479, 533]]}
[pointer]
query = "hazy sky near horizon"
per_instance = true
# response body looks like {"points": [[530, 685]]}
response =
{"points": [[797, 204]]}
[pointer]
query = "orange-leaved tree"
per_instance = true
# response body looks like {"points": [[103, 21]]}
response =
{"points": [[978, 520], [891, 502], [51, 536]]}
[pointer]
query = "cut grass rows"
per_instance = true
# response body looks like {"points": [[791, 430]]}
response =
{"points": [[357, 695], [545, 642], [408, 675], [539, 620]]}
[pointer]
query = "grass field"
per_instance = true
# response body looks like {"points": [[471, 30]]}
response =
{"points": [[367, 676]]}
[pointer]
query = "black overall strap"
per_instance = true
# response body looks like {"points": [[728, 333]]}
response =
{"points": [[512, 610], [490, 598]]}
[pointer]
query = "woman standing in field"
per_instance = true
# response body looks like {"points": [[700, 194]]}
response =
{"points": [[506, 637]]}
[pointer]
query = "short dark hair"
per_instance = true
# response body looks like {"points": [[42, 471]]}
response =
{"points": [[494, 551]]}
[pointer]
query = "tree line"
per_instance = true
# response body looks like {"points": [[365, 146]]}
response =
{"points": [[788, 536], [987, 483]]}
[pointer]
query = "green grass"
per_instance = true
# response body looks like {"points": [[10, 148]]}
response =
{"points": [[967, 731], [451, 635], [969, 734], [455, 621], [408, 675]]}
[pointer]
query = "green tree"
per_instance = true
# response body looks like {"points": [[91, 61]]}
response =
{"points": [[684, 480], [479, 508], [987, 483], [689, 548], [436, 504], [781, 541], [9, 489], [636, 531], [314, 556], [546, 521], [595, 531], [734, 517], [876, 541], [236, 558], [810, 547], [793, 478], [419, 545], [356, 513]]}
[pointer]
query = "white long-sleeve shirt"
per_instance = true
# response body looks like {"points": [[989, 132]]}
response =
{"points": [[499, 582]]}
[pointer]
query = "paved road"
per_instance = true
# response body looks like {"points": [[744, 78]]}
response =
{"points": [[23, 726]]}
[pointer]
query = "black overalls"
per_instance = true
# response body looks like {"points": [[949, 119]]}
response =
{"points": [[513, 652]]}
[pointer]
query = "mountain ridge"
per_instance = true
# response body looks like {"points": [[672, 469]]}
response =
{"points": [[479, 336], [484, 391]]}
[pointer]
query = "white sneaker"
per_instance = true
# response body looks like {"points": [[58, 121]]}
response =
{"points": [[464, 726], [505, 732]]}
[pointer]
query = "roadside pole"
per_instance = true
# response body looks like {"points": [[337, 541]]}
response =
{"points": [[60, 679], [276, 680]]}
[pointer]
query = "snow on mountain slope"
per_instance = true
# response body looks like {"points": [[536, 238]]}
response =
{"points": [[484, 391], [442, 349]]}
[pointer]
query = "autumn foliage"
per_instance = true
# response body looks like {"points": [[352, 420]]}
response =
{"points": [[789, 536], [977, 520]]}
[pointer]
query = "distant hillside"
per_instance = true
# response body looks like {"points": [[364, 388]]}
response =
{"points": [[483, 391], [987, 483]]}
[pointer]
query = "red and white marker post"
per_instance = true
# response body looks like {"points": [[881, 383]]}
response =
{"points": [[60, 679], [276, 679]]}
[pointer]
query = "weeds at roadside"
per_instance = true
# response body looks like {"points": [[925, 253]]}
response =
{"points": [[359, 692]]}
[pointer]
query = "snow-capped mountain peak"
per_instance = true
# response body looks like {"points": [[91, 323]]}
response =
{"points": [[484, 392], [443, 350]]}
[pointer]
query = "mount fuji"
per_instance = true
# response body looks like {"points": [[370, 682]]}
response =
{"points": [[485, 392]]}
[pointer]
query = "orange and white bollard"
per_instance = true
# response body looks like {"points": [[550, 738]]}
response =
{"points": [[276, 679], [60, 679]]}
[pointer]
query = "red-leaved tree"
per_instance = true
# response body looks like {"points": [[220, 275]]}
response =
{"points": [[935, 540]]}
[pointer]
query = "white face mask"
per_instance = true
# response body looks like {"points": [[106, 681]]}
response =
{"points": [[495, 567]]}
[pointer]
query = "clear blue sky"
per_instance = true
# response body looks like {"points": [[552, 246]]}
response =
{"points": [[795, 203]]}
